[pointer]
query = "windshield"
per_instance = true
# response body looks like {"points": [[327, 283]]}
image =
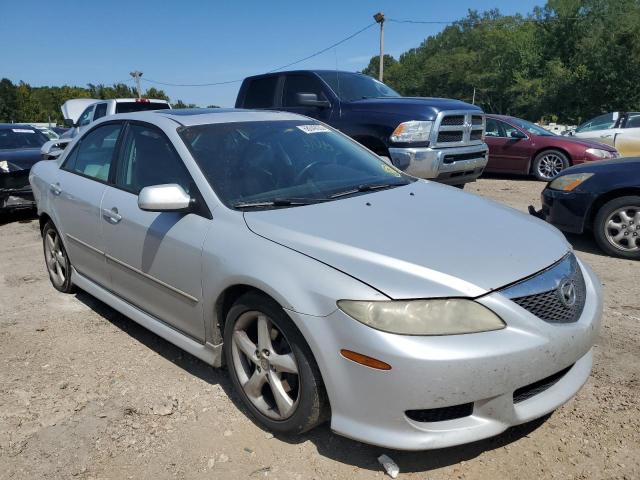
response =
{"points": [[273, 164], [602, 122], [532, 128], [355, 86], [21, 137]]}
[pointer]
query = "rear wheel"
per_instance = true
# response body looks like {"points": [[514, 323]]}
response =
{"points": [[271, 366], [548, 164], [617, 227], [57, 260]]}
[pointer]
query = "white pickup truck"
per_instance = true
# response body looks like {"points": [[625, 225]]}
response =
{"points": [[79, 113]]}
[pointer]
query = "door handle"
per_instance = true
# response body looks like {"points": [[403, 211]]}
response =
{"points": [[606, 136], [112, 215], [55, 189]]}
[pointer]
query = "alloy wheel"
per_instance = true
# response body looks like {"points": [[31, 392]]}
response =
{"points": [[55, 258], [265, 365], [622, 228], [550, 165]]}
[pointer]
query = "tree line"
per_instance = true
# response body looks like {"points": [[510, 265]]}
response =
{"points": [[23, 103], [567, 61]]}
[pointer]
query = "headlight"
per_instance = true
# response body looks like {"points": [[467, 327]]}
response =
{"points": [[596, 152], [567, 183], [4, 166], [413, 131], [424, 317]]}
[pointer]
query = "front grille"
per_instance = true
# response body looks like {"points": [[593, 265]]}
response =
{"points": [[441, 414], [547, 295], [446, 137], [533, 389], [452, 120]]}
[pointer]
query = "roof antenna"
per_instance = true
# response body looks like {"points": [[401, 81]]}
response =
{"points": [[338, 93]]}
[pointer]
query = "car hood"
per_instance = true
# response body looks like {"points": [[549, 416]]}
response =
{"points": [[420, 240], [20, 159], [422, 108]]}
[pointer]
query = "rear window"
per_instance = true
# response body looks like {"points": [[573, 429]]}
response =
{"points": [[261, 92], [128, 107], [21, 137]]}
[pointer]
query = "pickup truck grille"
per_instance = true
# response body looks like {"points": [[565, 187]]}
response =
{"points": [[458, 129]]}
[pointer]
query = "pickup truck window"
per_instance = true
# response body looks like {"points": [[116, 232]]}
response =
{"points": [[295, 84], [101, 111], [261, 92], [633, 121], [355, 86], [128, 107]]}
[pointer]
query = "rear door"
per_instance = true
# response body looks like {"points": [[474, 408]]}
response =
{"points": [[506, 154], [627, 139], [305, 83], [154, 257], [77, 196]]}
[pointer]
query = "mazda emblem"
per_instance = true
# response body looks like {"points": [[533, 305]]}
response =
{"points": [[567, 292]]}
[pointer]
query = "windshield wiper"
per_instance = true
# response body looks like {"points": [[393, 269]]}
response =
{"points": [[368, 188], [277, 202]]}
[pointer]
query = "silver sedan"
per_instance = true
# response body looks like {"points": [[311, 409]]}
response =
{"points": [[335, 287]]}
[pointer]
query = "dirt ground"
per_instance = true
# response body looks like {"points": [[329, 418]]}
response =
{"points": [[87, 393]]}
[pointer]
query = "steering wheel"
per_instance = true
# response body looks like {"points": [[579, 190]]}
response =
{"points": [[305, 171]]}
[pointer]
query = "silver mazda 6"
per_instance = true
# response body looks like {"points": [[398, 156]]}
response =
{"points": [[334, 287]]}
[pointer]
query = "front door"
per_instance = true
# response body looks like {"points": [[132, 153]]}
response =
{"points": [[78, 192], [304, 83], [154, 257], [506, 153]]}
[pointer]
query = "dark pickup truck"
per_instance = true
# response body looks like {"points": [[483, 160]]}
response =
{"points": [[435, 138]]}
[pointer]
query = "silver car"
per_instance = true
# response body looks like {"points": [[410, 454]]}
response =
{"points": [[407, 313]]}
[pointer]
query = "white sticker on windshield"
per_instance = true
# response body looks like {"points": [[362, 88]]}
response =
{"points": [[22, 130], [313, 128]]}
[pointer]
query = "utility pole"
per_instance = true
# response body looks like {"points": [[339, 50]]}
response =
{"points": [[379, 18], [473, 102], [136, 75]]}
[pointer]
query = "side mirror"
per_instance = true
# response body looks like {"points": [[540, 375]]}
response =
{"points": [[164, 198], [68, 122], [311, 100], [517, 134]]}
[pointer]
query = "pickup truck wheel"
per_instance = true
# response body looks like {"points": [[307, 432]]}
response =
{"points": [[272, 368], [56, 259], [617, 227], [548, 164]]}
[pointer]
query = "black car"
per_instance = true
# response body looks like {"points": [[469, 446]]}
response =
{"points": [[601, 197], [19, 150]]}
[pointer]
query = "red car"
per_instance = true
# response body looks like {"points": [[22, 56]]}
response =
{"points": [[518, 146]]}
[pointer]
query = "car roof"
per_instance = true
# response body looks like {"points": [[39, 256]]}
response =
{"points": [[203, 116]]}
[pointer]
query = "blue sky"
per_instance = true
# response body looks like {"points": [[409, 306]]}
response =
{"points": [[79, 42]]}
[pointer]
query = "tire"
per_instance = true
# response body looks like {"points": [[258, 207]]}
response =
{"points": [[548, 164], [307, 405], [616, 227], [56, 260]]}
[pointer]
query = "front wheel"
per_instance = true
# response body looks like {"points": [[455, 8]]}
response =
{"points": [[617, 227], [57, 260], [272, 368], [548, 164]]}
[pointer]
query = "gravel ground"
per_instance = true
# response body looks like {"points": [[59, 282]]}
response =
{"points": [[87, 393]]}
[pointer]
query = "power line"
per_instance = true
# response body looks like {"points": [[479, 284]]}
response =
{"points": [[226, 82]]}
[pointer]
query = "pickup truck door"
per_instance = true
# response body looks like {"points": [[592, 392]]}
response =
{"points": [[627, 138], [76, 195], [506, 154], [305, 83], [154, 258]]}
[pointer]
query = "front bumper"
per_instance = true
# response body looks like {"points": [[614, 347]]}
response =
{"points": [[452, 165], [568, 211], [484, 369]]}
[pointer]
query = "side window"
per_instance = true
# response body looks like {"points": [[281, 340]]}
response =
{"points": [[101, 111], [507, 129], [492, 130], [85, 118], [295, 84], [261, 92], [93, 156], [633, 121], [147, 159]]}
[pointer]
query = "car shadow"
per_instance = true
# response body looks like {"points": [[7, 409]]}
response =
{"points": [[510, 176], [22, 216], [585, 243], [327, 443]]}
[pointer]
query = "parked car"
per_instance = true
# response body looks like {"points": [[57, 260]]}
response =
{"points": [[48, 132], [314, 269], [435, 138], [521, 147], [19, 150], [602, 198], [618, 129]]}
